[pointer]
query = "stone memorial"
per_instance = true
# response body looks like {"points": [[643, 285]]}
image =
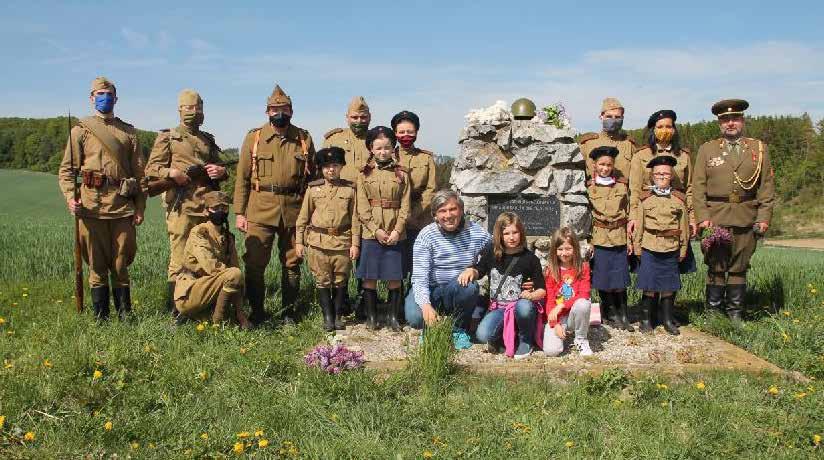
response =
{"points": [[529, 166]]}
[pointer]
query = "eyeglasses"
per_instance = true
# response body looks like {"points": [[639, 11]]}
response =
{"points": [[662, 174]]}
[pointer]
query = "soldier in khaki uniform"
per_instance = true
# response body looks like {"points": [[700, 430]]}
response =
{"points": [[661, 239], [111, 203], [609, 199], [734, 188], [209, 278], [420, 164], [328, 224], [611, 135], [175, 150], [275, 164], [352, 139]]}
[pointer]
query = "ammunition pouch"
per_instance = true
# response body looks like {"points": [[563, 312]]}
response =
{"points": [[98, 180], [129, 187]]}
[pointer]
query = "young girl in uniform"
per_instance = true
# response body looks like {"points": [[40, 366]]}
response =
{"points": [[609, 198], [567, 286], [383, 207], [661, 239], [511, 310]]}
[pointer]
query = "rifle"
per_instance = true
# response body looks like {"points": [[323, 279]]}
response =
{"points": [[78, 259], [196, 172]]}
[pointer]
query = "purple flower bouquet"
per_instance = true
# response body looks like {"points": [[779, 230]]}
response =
{"points": [[334, 359], [715, 237]]}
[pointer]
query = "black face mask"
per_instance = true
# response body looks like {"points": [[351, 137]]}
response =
{"points": [[280, 120], [218, 217]]}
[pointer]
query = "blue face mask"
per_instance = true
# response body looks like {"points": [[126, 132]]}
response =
{"points": [[104, 103]]}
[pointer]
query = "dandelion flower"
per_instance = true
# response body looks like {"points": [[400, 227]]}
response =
{"points": [[108, 425], [700, 385], [97, 374], [263, 443], [661, 386], [200, 327], [773, 390], [134, 445], [47, 363], [29, 436], [569, 444], [243, 435], [204, 436], [238, 448], [258, 433], [2, 421], [2, 321], [787, 313], [801, 395], [202, 375], [25, 294], [7, 364], [427, 454], [243, 350], [816, 439]]}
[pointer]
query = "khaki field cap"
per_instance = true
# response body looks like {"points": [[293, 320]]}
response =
{"points": [[102, 83], [730, 107], [358, 105], [216, 199], [189, 97], [611, 103], [278, 97]]}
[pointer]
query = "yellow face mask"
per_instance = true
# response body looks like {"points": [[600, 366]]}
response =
{"points": [[663, 136]]}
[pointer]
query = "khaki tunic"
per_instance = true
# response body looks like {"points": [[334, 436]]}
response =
{"points": [[357, 155], [663, 225], [640, 177], [383, 200], [180, 148], [625, 145], [716, 191], [210, 265], [281, 162], [610, 210], [107, 233], [422, 178]]}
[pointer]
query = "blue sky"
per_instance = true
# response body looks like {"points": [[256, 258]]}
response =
{"points": [[439, 61]]}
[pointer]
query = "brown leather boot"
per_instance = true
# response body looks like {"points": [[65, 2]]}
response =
{"points": [[224, 300]]}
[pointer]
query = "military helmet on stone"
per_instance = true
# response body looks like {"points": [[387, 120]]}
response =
{"points": [[216, 199], [730, 107], [278, 97], [523, 109], [330, 155], [102, 83], [604, 150]]}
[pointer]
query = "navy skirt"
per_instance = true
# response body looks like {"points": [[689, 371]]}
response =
{"points": [[688, 264], [610, 268], [379, 262], [658, 271]]}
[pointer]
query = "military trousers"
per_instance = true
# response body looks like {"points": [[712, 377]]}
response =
{"points": [[259, 244], [178, 226], [330, 267], [729, 265], [108, 247], [195, 297]]}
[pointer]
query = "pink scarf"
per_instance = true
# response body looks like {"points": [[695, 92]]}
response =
{"points": [[509, 325]]}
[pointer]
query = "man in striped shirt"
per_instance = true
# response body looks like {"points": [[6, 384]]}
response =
{"points": [[442, 251]]}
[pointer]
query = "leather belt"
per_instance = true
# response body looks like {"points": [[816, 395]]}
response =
{"points": [[609, 225], [732, 198], [386, 204], [277, 190], [671, 232], [331, 231]]}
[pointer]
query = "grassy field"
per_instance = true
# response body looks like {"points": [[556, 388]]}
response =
{"points": [[148, 390]]}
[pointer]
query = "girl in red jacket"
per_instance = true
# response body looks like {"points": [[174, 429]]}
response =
{"points": [[567, 282]]}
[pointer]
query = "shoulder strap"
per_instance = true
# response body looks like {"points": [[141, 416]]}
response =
{"points": [[680, 195], [588, 137], [503, 278], [255, 176], [110, 143], [645, 194]]}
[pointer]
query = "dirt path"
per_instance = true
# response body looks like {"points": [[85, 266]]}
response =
{"points": [[808, 243]]}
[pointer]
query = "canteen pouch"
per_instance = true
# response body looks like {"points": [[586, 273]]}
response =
{"points": [[93, 179], [129, 187]]}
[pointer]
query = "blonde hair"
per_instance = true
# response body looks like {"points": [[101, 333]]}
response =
{"points": [[561, 236], [504, 220]]}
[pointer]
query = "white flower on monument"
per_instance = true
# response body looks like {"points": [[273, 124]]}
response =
{"points": [[496, 113]]}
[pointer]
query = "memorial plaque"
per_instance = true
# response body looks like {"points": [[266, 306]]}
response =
{"points": [[541, 214]]}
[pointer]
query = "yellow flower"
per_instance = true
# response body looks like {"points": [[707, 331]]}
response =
{"points": [[200, 327], [700, 385], [47, 363], [263, 443], [2, 421], [243, 350], [801, 395], [29, 436], [813, 291], [152, 445], [59, 301], [438, 442], [773, 390], [7, 364], [569, 444], [97, 374], [238, 448], [816, 439], [427, 454], [25, 294], [243, 435], [2, 321], [661, 386], [258, 433], [664, 404], [134, 445], [108, 425], [202, 375], [204, 436], [787, 313]]}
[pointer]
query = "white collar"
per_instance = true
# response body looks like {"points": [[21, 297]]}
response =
{"points": [[604, 180]]}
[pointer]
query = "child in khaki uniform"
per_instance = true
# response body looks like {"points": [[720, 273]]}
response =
{"points": [[327, 223], [661, 240]]}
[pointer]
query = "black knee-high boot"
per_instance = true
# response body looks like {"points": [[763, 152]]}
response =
{"points": [[666, 305], [608, 313], [100, 302], [328, 309], [621, 299], [395, 305], [647, 305], [340, 306], [370, 300]]}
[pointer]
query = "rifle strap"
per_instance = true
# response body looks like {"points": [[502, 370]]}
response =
{"points": [[306, 158], [111, 145], [255, 173]]}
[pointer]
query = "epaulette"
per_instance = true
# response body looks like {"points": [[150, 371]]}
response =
{"points": [[255, 129], [316, 183], [426, 152], [165, 130], [622, 180], [680, 195], [345, 183], [127, 124], [401, 169], [208, 136], [646, 194], [586, 137], [332, 132]]}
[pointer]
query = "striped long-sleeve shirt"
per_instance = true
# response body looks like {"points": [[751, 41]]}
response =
{"points": [[439, 257]]}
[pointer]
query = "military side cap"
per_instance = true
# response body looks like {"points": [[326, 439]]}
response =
{"points": [[659, 160], [330, 155], [660, 115], [730, 107], [278, 97], [216, 199], [604, 150], [406, 115], [103, 83], [358, 105], [189, 97], [611, 103]]}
